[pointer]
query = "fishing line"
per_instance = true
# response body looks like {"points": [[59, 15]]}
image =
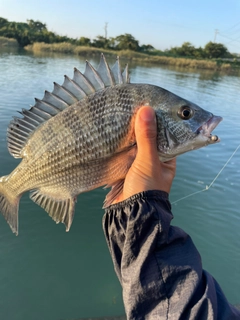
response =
{"points": [[208, 187]]}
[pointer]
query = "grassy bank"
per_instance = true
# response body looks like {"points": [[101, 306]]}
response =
{"points": [[68, 48], [8, 42]]}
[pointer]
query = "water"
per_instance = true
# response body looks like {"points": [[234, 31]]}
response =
{"points": [[46, 273]]}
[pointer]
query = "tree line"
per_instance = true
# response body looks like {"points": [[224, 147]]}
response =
{"points": [[210, 50], [35, 31]]}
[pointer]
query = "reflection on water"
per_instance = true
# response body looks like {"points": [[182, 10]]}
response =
{"points": [[49, 274]]}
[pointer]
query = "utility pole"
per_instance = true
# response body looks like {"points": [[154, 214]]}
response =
{"points": [[105, 29], [215, 36]]}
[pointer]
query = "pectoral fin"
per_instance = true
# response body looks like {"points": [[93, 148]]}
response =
{"points": [[119, 165], [116, 190]]}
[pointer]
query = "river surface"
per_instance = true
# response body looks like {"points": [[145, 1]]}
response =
{"points": [[46, 273]]}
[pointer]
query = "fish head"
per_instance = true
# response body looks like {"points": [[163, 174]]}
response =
{"points": [[183, 126]]}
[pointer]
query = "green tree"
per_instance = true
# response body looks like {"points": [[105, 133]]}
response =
{"points": [[215, 50], [16, 30], [83, 41], [27, 33], [101, 42], [126, 42], [3, 22], [186, 50], [173, 51], [199, 53], [37, 26], [146, 48]]}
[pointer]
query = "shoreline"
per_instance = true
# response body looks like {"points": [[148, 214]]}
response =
{"points": [[68, 48], [8, 42]]}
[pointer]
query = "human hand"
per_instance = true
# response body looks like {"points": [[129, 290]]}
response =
{"points": [[147, 171]]}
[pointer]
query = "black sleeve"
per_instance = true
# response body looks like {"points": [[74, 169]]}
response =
{"points": [[158, 266]]}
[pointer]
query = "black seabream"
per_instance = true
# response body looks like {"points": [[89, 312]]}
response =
{"points": [[81, 136]]}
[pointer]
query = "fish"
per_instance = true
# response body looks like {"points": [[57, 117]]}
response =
{"points": [[81, 136]]}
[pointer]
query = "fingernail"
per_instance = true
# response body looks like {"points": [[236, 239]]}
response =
{"points": [[147, 114]]}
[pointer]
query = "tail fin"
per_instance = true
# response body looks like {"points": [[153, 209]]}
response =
{"points": [[9, 203]]}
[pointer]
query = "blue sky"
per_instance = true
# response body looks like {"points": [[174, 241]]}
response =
{"points": [[163, 24]]}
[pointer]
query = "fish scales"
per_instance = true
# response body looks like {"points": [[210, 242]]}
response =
{"points": [[81, 136]]}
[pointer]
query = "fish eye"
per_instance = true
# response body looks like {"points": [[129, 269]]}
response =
{"points": [[185, 112]]}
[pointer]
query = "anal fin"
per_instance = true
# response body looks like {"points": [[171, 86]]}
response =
{"points": [[59, 209]]}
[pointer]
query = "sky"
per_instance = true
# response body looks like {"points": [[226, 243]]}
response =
{"points": [[163, 24]]}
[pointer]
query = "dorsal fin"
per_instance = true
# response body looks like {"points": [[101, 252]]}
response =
{"points": [[83, 82], [70, 85], [125, 75], [105, 72], [116, 71], [62, 96], [92, 75], [119, 76]]}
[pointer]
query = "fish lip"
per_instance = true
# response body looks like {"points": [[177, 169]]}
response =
{"points": [[209, 126]]}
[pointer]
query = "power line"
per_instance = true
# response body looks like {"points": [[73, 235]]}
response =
{"points": [[234, 40], [232, 27], [235, 31], [222, 35], [231, 40]]}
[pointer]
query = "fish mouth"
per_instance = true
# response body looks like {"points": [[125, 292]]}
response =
{"points": [[207, 128]]}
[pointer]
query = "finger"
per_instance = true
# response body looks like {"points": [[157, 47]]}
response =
{"points": [[146, 132]]}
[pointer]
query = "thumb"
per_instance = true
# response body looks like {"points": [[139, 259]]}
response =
{"points": [[146, 133]]}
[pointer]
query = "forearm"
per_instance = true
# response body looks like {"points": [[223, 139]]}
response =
{"points": [[158, 265]]}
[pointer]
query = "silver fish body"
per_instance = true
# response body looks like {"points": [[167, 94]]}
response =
{"points": [[81, 136]]}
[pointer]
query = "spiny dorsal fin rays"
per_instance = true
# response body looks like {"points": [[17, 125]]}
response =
{"points": [[32, 114], [62, 97], [17, 134], [83, 82], [105, 72], [92, 75], [19, 129], [45, 109], [116, 71], [125, 75], [32, 118], [55, 101], [74, 88], [64, 94]]}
